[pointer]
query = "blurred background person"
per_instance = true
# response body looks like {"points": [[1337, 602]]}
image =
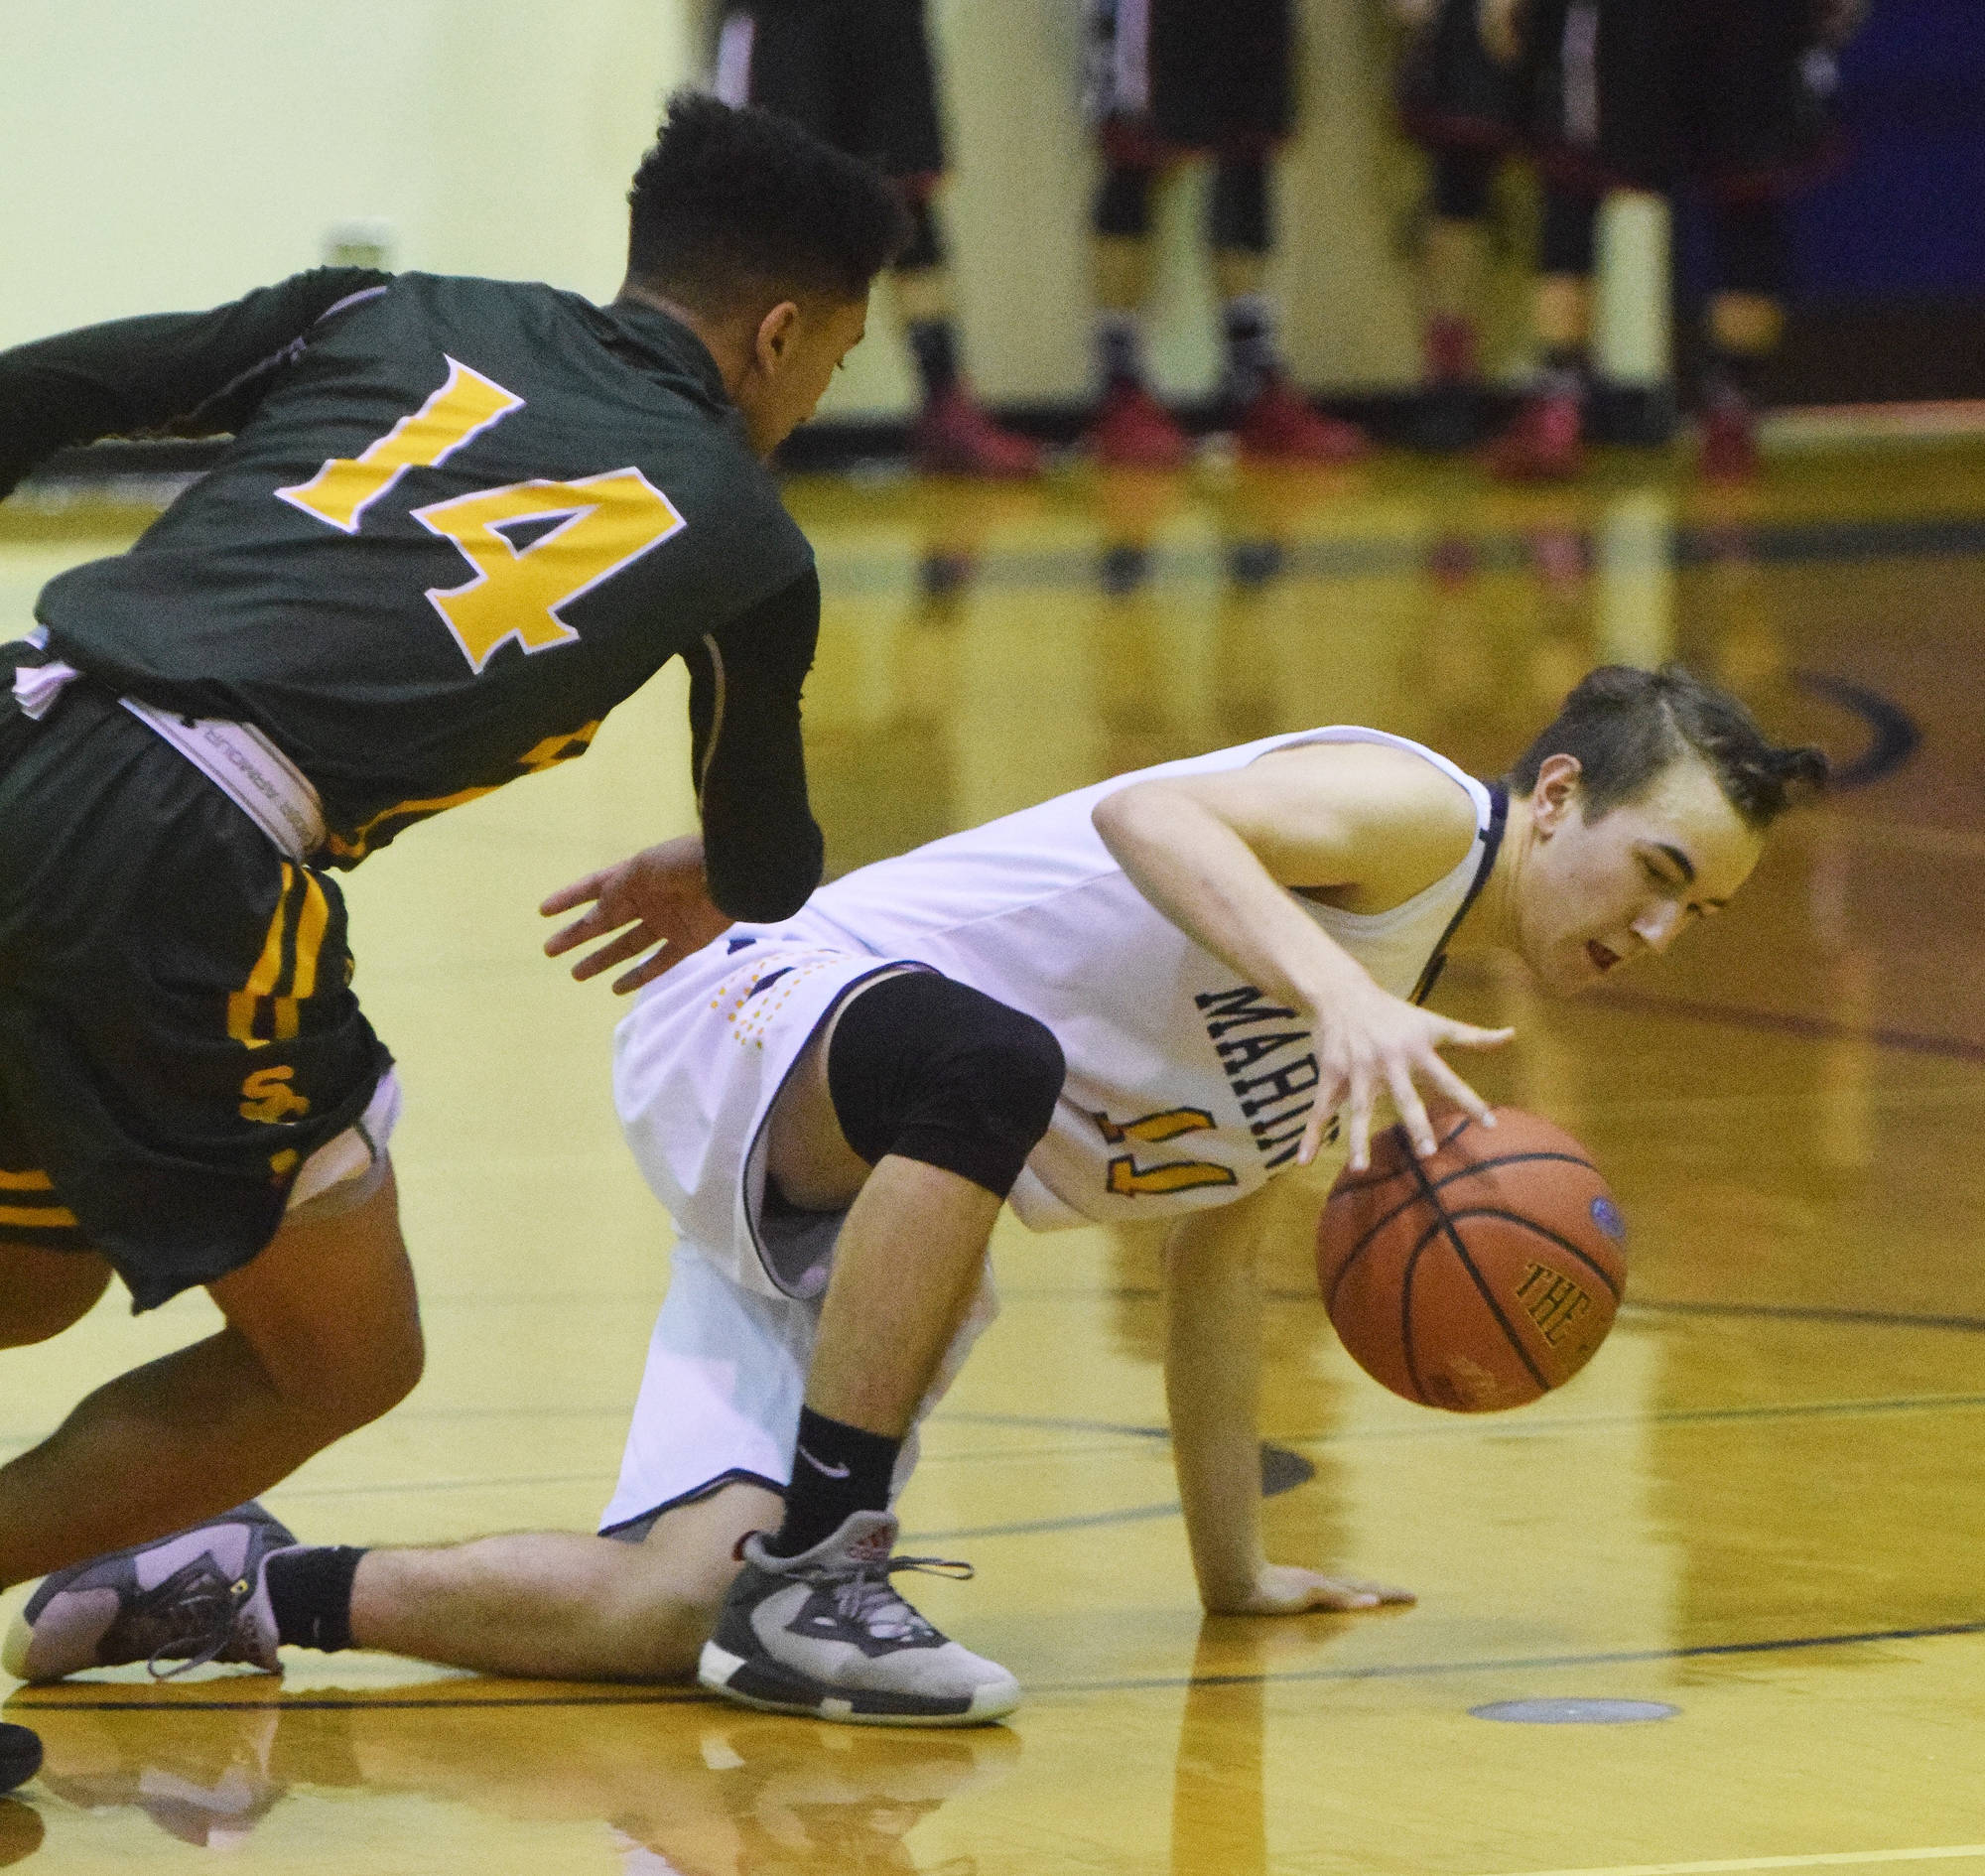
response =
{"points": [[1725, 102], [859, 75], [1464, 107], [1171, 81]]}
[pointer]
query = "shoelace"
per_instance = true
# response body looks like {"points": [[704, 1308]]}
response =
{"points": [[867, 1598], [193, 1609]]}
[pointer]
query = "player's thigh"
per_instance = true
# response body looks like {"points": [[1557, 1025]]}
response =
{"points": [[330, 1309], [43, 1291]]}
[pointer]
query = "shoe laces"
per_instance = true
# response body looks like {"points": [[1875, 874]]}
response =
{"points": [[188, 1619], [866, 1599]]}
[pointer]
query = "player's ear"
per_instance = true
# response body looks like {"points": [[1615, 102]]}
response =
{"points": [[1555, 791], [774, 337]]}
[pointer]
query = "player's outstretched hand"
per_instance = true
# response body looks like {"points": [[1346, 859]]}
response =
{"points": [[1285, 1589], [661, 899], [1369, 1042]]}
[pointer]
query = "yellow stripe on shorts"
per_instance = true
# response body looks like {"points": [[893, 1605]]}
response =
{"points": [[42, 1217], [262, 979], [26, 1182], [312, 924]]}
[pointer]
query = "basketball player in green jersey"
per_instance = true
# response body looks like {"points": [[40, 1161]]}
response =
{"points": [[460, 521]]}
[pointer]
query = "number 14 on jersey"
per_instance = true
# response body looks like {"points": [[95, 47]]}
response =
{"points": [[604, 522]]}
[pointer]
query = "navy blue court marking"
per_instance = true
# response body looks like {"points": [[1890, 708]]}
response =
{"points": [[1378, 1671], [1896, 737]]}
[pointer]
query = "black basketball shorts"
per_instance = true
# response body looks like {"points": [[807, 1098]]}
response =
{"points": [[1643, 94], [1453, 95], [177, 1032], [856, 73], [1170, 77]]}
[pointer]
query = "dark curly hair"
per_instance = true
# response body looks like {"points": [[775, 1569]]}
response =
{"points": [[735, 206], [1626, 726]]}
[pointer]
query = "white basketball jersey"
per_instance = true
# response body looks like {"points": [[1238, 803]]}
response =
{"points": [[1186, 1086]]}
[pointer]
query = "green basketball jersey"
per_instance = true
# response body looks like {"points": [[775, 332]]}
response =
{"points": [[459, 521]]}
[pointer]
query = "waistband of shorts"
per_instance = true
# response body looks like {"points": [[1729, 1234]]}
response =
{"points": [[235, 756]]}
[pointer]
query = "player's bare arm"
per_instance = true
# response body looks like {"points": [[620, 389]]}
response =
{"points": [[1359, 827], [1213, 1370]]}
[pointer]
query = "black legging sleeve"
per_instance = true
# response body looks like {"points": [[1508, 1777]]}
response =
{"points": [[199, 373], [761, 849]]}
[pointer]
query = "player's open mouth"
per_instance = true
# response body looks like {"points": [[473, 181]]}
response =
{"points": [[1602, 959]]}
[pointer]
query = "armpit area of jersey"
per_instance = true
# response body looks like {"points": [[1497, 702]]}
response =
{"points": [[200, 373]]}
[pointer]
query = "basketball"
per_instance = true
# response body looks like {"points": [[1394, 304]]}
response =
{"points": [[1481, 1276]]}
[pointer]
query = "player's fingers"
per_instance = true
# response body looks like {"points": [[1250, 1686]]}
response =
{"points": [[595, 923], [1329, 1096], [1358, 1120], [630, 944], [1465, 1035], [1457, 1091], [577, 893], [1386, 1592], [1411, 1109], [650, 968]]}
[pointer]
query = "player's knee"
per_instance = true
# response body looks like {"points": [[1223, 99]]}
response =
{"points": [[371, 1379], [933, 1070], [44, 1293]]}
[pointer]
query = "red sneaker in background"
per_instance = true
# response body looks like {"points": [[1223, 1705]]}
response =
{"points": [[1545, 443], [1132, 430], [955, 437], [1280, 425], [1729, 449]]}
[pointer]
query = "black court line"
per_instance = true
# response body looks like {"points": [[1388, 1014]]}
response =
{"points": [[1780, 544], [1807, 1312], [1378, 1671], [1518, 1663], [318, 1703]]}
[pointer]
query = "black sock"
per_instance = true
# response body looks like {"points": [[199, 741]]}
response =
{"points": [[1734, 377], [1250, 327], [1565, 371], [933, 346], [1120, 349], [837, 1469], [310, 1591]]}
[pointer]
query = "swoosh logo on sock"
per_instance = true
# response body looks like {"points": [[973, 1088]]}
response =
{"points": [[832, 1472]]}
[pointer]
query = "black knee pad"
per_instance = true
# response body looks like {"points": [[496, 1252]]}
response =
{"points": [[926, 248], [1753, 253], [1123, 202], [1566, 242], [933, 1070], [1236, 215], [1460, 184]]}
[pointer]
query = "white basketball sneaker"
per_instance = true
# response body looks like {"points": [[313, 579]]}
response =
{"points": [[823, 1633]]}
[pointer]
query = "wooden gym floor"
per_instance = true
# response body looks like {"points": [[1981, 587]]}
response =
{"points": [[1763, 1505]]}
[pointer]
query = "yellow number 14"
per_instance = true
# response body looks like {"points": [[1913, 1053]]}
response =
{"points": [[602, 522]]}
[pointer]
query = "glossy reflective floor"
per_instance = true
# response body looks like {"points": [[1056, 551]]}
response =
{"points": [[1764, 1505]]}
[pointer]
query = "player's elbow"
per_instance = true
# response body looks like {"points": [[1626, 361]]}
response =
{"points": [[762, 885]]}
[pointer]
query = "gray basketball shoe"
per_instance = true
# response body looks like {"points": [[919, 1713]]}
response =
{"points": [[193, 1597], [823, 1633]]}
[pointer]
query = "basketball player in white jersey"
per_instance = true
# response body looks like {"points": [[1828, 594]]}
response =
{"points": [[1147, 998]]}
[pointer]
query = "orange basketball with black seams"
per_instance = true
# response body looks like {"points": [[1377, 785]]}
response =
{"points": [[1481, 1276]]}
